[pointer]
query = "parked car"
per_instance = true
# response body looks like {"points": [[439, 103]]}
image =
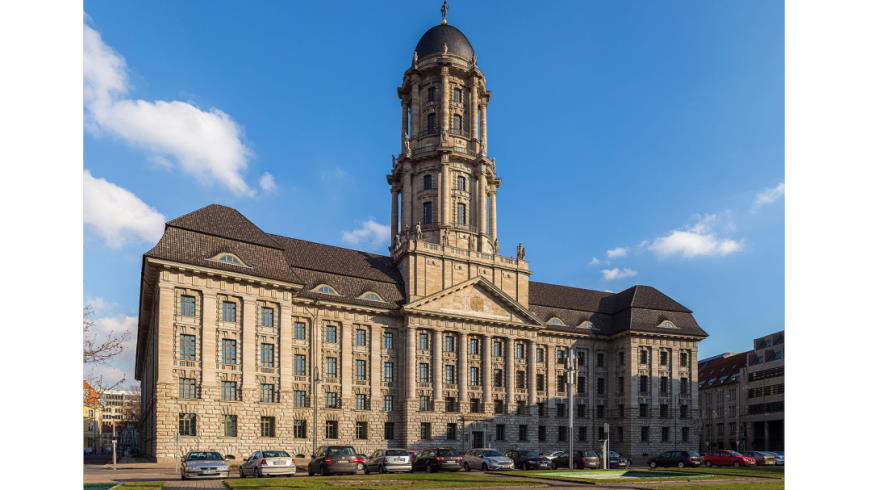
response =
{"points": [[389, 461], [440, 459], [680, 459], [362, 461], [486, 459], [582, 459], [268, 463], [615, 460], [414, 453], [780, 457], [204, 464], [553, 454], [330, 460], [529, 459], [762, 458], [726, 457]]}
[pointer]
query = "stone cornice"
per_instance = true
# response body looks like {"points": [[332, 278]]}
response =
{"points": [[205, 271]]}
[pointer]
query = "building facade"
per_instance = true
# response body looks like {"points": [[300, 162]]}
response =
{"points": [[765, 393], [249, 340], [92, 419], [720, 386]]}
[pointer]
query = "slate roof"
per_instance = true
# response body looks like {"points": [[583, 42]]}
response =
{"points": [[721, 370], [432, 42]]}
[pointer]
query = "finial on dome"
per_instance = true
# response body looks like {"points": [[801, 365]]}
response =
{"points": [[444, 9]]}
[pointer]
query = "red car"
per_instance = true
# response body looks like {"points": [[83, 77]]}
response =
{"points": [[727, 457]]}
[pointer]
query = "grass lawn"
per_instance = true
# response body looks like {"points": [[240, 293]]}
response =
{"points": [[142, 485], [777, 472], [773, 485], [397, 481], [601, 476]]}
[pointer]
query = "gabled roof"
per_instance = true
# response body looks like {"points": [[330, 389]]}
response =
{"points": [[224, 222]]}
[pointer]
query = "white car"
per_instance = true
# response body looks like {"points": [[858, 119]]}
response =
{"points": [[486, 459], [204, 464], [268, 463]]}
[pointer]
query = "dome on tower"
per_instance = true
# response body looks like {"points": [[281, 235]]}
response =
{"points": [[433, 41]]}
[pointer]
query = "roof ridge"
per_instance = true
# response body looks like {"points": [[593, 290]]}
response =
{"points": [[327, 245]]}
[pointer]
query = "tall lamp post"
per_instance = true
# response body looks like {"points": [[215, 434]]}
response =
{"points": [[572, 374]]}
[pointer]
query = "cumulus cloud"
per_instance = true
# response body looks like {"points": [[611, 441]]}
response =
{"points": [[617, 273], [267, 182], [117, 215], [594, 261], [370, 233], [617, 252], [696, 240], [206, 144], [768, 196]]}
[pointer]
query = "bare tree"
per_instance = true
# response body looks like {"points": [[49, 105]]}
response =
{"points": [[100, 348]]}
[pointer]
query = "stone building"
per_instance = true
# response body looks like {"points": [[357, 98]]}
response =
{"points": [[720, 386], [251, 340]]}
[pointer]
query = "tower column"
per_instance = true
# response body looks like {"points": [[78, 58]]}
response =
{"points": [[473, 115], [483, 129], [445, 190], [445, 99], [481, 201], [406, 197], [394, 213], [492, 217], [404, 123], [415, 107]]}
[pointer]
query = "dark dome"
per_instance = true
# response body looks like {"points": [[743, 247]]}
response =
{"points": [[433, 41]]}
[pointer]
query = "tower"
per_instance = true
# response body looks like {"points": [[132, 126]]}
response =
{"points": [[443, 183]]}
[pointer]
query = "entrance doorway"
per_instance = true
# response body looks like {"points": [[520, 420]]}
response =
{"points": [[477, 438]]}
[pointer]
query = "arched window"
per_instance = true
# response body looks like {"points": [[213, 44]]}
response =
{"points": [[457, 95], [586, 324], [427, 213], [460, 183], [667, 324], [460, 214], [325, 289], [555, 321], [427, 182], [228, 258], [371, 296]]}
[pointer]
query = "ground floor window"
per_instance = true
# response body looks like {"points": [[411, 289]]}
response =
{"points": [[187, 424], [389, 431], [229, 425], [300, 429], [267, 426], [332, 429], [362, 430], [425, 431]]}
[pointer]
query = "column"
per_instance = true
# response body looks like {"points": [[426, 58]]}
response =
{"points": [[394, 214], [462, 367], [249, 347], [377, 365], [531, 360], [437, 392], [472, 113], [209, 323], [481, 201], [166, 335], [347, 368], [404, 123], [492, 221], [551, 377], [406, 197], [410, 363], [483, 129], [486, 369], [285, 351], [444, 212], [445, 99], [415, 107], [509, 372]]}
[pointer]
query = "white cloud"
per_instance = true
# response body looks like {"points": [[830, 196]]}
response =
{"points": [[768, 196], [205, 144], [696, 240], [100, 305], [617, 273], [123, 365], [594, 261], [617, 252], [370, 233], [267, 182], [117, 215]]}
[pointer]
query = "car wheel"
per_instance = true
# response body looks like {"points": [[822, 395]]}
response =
{"points": [[382, 470], [681, 465], [241, 473], [466, 467], [652, 464], [430, 468], [259, 473], [483, 467], [359, 466], [323, 471], [737, 464], [708, 464], [366, 469]]}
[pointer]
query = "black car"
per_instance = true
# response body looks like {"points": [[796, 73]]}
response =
{"points": [[330, 460], [440, 459], [526, 459], [582, 459], [680, 459], [615, 460]]}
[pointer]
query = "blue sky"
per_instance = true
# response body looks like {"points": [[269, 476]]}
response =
{"points": [[652, 130]]}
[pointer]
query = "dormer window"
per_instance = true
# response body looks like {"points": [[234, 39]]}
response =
{"points": [[228, 258], [555, 321], [666, 324], [587, 324], [371, 296], [325, 289]]}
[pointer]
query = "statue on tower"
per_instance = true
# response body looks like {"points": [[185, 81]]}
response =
{"points": [[415, 60], [444, 48], [444, 9], [406, 144], [418, 231], [495, 246], [521, 252]]}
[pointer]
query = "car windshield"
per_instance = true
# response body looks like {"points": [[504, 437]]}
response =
{"points": [[530, 454], [491, 453], [590, 454], [396, 452], [275, 454], [734, 453], [693, 453], [342, 451], [204, 456], [448, 452], [614, 454]]}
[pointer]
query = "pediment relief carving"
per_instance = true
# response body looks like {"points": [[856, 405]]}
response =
{"points": [[475, 298]]}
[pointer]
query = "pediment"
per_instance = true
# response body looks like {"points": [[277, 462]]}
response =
{"points": [[477, 299]]}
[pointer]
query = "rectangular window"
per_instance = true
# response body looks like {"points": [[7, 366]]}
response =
{"points": [[360, 339], [457, 95], [450, 404], [427, 213], [684, 359], [684, 386], [457, 121], [362, 401], [426, 404], [388, 372], [560, 383], [389, 431], [425, 431], [499, 432], [229, 425], [620, 434], [300, 429], [600, 386], [643, 383], [332, 429], [360, 370], [664, 381], [521, 350], [331, 367], [460, 213], [475, 405], [499, 406], [581, 433], [664, 411], [581, 357], [423, 373], [474, 346], [560, 356], [542, 433], [299, 365], [620, 385], [451, 431], [423, 341], [187, 348], [663, 358], [497, 348], [581, 384], [601, 433], [427, 182], [684, 412], [267, 426], [599, 411], [521, 380], [188, 305], [187, 388], [187, 424], [388, 403], [497, 378], [267, 317], [523, 432], [267, 393], [431, 125], [300, 398], [474, 376], [666, 434], [362, 430], [331, 399], [621, 358], [228, 390], [521, 407], [644, 410], [600, 359], [539, 354], [430, 95], [449, 374], [540, 385], [685, 434], [267, 355], [449, 343], [644, 434], [643, 356], [621, 409], [560, 410], [581, 411], [563, 433], [228, 351], [388, 340], [299, 331], [330, 334], [228, 311]]}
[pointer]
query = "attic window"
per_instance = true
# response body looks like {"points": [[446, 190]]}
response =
{"points": [[667, 324], [324, 289], [371, 296], [228, 258], [555, 321], [586, 324]]}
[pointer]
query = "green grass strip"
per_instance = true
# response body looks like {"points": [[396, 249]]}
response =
{"points": [[398, 481]]}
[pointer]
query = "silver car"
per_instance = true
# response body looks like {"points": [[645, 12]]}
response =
{"points": [[268, 463], [204, 464], [388, 461], [486, 459]]}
